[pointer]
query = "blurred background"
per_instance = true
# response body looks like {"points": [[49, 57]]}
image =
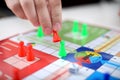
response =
{"points": [[4, 11]]}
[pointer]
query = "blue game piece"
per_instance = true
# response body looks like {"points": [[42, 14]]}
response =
{"points": [[106, 76], [100, 76]]}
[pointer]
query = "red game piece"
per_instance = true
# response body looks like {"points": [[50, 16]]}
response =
{"points": [[56, 37], [30, 55], [16, 75], [21, 52]]}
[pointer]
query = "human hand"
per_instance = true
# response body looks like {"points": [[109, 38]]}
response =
{"points": [[119, 13], [47, 13]]}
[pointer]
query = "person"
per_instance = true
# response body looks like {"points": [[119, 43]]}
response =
{"points": [[47, 13]]}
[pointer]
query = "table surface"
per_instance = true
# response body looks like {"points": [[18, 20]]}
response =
{"points": [[104, 14]]}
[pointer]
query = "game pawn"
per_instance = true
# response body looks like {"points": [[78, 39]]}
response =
{"points": [[84, 32], [16, 74], [21, 51], [75, 28], [62, 52], [106, 76], [40, 32], [30, 55], [56, 37]]}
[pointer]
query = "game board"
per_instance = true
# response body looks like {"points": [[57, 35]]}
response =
{"points": [[94, 55]]}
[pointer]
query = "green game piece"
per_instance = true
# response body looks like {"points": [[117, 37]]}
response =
{"points": [[84, 31], [40, 32], [62, 42], [62, 52], [75, 28]]}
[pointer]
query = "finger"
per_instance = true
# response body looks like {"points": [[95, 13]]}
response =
{"points": [[119, 13], [15, 7], [44, 17], [30, 12], [56, 13]]}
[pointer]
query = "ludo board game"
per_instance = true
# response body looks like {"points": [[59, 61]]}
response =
{"points": [[88, 52]]}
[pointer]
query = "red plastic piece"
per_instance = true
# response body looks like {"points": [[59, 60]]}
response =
{"points": [[30, 55], [56, 37], [16, 75], [21, 52]]}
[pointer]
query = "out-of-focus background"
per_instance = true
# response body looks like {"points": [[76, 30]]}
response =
{"points": [[4, 11], [100, 12]]}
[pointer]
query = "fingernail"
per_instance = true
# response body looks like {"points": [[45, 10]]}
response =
{"points": [[37, 24], [48, 31], [57, 26]]}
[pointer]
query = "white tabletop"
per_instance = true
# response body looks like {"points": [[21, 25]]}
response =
{"points": [[105, 14], [102, 14]]}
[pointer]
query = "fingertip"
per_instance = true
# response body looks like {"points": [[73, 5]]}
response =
{"points": [[47, 30], [36, 24], [57, 27]]}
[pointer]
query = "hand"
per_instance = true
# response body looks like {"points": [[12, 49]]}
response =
{"points": [[47, 13]]}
